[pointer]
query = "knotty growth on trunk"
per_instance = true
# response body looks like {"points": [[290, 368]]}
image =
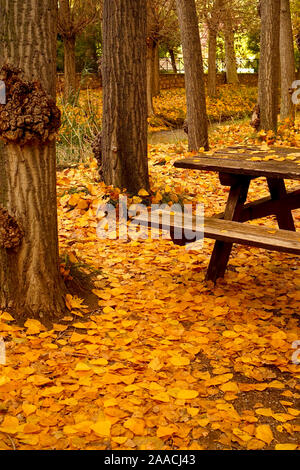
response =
{"points": [[124, 131], [30, 282], [268, 81], [194, 76]]}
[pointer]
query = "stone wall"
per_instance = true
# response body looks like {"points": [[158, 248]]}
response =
{"points": [[167, 80]]}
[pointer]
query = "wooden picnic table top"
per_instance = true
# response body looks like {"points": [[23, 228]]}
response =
{"points": [[278, 162]]}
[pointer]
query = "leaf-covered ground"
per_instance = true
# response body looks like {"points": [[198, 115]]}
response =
{"points": [[155, 357]]}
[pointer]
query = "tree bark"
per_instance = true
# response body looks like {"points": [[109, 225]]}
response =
{"points": [[149, 73], [194, 76], [30, 282], [268, 86], [155, 70], [230, 57], [212, 63], [153, 79], [124, 130], [287, 61], [69, 68]]}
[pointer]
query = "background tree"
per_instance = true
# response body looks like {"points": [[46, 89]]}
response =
{"points": [[287, 61], [268, 81], [194, 76], [161, 24], [229, 39], [124, 131], [30, 282], [73, 17], [211, 12]]}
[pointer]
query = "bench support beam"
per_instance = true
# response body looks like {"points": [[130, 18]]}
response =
{"points": [[221, 253]]}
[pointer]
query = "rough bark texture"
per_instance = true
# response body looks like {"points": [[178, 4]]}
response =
{"points": [[30, 282], [287, 61], [124, 134], [269, 64], [193, 65], [69, 68]]}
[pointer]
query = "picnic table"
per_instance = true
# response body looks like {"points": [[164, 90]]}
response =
{"points": [[237, 166]]}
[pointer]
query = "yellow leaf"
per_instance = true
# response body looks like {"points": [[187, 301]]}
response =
{"points": [[179, 361], [230, 387], [143, 192], [162, 396], [6, 316], [187, 394], [218, 380], [255, 444], [110, 402], [119, 439], [264, 411], [264, 433], [28, 409], [286, 446], [10, 425], [33, 326], [102, 427], [4, 380], [192, 411], [244, 436], [136, 425], [155, 364], [163, 431], [81, 366]]}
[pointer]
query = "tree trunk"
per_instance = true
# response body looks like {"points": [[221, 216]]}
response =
{"points": [[212, 63], [153, 79], [149, 73], [268, 86], [30, 282], [287, 61], [173, 60], [155, 70], [69, 68], [194, 76], [230, 57], [124, 129]]}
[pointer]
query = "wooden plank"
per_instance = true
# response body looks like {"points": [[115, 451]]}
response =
{"points": [[242, 165], [228, 231], [267, 206]]}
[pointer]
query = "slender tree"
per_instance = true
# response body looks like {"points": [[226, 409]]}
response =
{"points": [[268, 86], [124, 130], [30, 282], [194, 76], [212, 14], [287, 61], [230, 57], [161, 25], [73, 17]]}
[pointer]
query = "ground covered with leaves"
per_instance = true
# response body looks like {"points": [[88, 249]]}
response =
{"points": [[151, 356]]}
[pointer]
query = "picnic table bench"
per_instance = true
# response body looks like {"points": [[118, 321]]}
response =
{"points": [[237, 166]]}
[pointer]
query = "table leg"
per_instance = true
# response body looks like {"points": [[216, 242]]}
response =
{"points": [[284, 215], [221, 253]]}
